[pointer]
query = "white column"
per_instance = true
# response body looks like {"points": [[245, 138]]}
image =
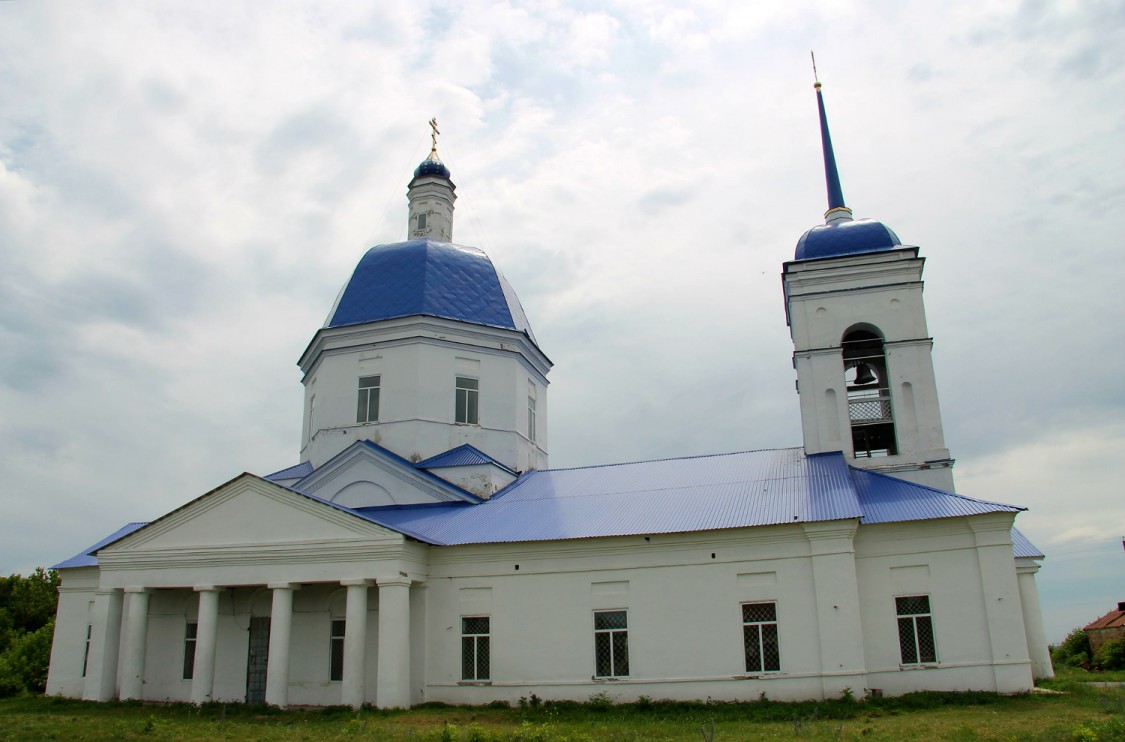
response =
{"points": [[355, 642], [392, 686], [133, 653], [105, 639], [206, 635], [1041, 666], [836, 586], [281, 625], [1007, 635]]}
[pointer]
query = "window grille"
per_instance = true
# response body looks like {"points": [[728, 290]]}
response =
{"points": [[367, 408], [468, 392], [190, 633], [915, 629], [336, 649], [475, 646], [611, 644], [759, 637]]}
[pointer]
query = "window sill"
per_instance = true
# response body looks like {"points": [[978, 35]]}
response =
{"points": [[614, 679], [920, 666], [760, 675], [474, 682]]}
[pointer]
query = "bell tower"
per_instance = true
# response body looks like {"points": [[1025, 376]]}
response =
{"points": [[861, 347]]}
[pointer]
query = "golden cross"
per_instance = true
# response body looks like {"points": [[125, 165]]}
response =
{"points": [[433, 136]]}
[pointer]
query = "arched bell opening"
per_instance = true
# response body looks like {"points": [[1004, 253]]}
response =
{"points": [[869, 394]]}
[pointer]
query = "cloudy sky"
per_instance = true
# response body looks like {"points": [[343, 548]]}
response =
{"points": [[185, 186]]}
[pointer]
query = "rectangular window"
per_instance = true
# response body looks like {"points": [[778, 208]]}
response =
{"points": [[611, 644], [367, 409], [531, 419], [336, 650], [421, 221], [86, 656], [915, 629], [759, 637], [466, 408], [189, 650], [475, 646]]}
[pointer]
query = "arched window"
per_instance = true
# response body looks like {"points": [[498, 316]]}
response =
{"points": [[869, 394]]}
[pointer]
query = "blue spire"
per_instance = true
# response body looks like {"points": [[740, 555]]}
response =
{"points": [[831, 175]]}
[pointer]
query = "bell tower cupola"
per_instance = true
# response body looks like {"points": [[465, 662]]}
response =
{"points": [[431, 195], [861, 347]]}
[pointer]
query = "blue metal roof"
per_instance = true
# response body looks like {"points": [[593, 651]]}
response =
{"points": [[1022, 546], [432, 166], [851, 237], [702, 493], [428, 277], [299, 471], [463, 455], [887, 499], [86, 557]]}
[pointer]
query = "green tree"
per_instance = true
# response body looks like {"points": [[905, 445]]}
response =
{"points": [[1111, 655], [27, 625], [1074, 650]]}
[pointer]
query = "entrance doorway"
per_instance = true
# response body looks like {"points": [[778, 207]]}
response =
{"points": [[257, 657]]}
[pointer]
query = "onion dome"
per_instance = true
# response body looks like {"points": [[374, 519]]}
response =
{"points": [[840, 234], [431, 278], [432, 166]]}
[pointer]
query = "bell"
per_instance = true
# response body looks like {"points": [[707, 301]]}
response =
{"points": [[864, 375]]}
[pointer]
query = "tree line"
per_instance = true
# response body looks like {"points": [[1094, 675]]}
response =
{"points": [[27, 625]]}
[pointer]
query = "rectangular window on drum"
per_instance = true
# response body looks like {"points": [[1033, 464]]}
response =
{"points": [[367, 408], [466, 407]]}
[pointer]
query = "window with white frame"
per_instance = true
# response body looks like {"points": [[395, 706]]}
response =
{"points": [[475, 648], [367, 408], [759, 637], [468, 393], [915, 629], [336, 649], [611, 644], [190, 633], [531, 418]]}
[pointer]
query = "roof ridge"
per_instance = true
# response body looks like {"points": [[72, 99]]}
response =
{"points": [[671, 458]]}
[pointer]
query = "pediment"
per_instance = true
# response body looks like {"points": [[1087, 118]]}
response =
{"points": [[249, 511], [364, 475]]}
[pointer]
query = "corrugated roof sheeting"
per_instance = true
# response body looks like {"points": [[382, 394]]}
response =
{"points": [[705, 493], [886, 499], [86, 557], [463, 455], [1022, 546], [297, 471]]}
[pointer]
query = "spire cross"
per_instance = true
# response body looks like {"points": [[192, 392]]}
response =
{"points": [[434, 135], [815, 77]]}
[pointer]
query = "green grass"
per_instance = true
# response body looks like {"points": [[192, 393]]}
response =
{"points": [[1077, 673], [1078, 713]]}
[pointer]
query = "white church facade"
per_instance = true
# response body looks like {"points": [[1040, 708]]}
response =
{"points": [[422, 550]]}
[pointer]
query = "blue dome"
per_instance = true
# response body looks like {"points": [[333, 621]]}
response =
{"points": [[432, 278], [845, 238], [431, 166]]}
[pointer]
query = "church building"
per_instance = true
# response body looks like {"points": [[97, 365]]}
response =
{"points": [[423, 550]]}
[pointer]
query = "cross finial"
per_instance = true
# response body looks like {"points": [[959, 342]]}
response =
{"points": [[815, 77], [434, 134]]}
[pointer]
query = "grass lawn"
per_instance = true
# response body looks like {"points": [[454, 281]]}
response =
{"points": [[1079, 712]]}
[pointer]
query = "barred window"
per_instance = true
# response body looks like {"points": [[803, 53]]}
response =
{"points": [[475, 646], [915, 629], [611, 644], [468, 393], [336, 649], [190, 633], [367, 406], [759, 637]]}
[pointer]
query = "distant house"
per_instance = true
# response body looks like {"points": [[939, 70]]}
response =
{"points": [[1110, 626]]}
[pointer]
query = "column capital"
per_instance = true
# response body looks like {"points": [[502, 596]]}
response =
{"points": [[137, 589], [393, 581], [357, 583], [284, 586], [207, 588]]}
